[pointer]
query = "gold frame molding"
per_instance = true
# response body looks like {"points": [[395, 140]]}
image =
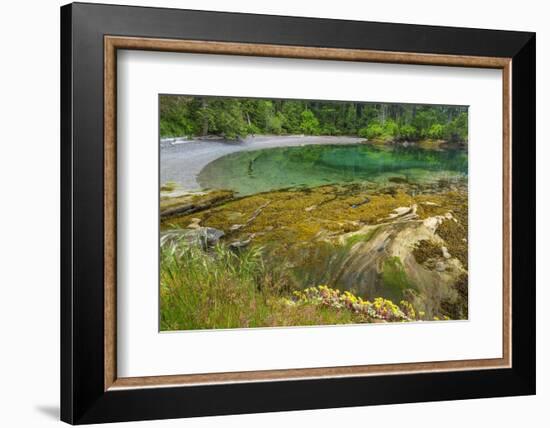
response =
{"points": [[113, 43]]}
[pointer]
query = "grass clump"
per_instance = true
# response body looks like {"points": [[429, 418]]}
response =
{"points": [[218, 289]]}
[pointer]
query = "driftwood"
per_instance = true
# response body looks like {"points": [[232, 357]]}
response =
{"points": [[242, 243], [203, 236], [365, 201], [193, 207], [251, 219]]}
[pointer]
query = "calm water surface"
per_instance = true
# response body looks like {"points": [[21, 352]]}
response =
{"points": [[313, 165]]}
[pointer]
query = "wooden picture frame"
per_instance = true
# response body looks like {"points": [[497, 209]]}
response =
{"points": [[91, 390]]}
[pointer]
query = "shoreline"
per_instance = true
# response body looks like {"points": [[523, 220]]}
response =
{"points": [[182, 162]]}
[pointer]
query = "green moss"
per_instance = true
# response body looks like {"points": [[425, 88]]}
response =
{"points": [[394, 278], [440, 203], [305, 215], [166, 203], [301, 215], [428, 144], [457, 307], [455, 236], [361, 237], [426, 250], [169, 186], [380, 141]]}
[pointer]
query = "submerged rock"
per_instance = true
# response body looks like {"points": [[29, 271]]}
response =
{"points": [[398, 179]]}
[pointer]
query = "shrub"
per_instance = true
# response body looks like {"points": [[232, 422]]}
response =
{"points": [[330, 129], [374, 130], [253, 129], [391, 129], [436, 131], [275, 124], [309, 124], [408, 132], [457, 129]]}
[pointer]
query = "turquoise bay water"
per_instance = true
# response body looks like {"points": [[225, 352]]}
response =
{"points": [[256, 171]]}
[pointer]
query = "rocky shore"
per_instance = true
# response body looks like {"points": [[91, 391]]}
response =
{"points": [[401, 242]]}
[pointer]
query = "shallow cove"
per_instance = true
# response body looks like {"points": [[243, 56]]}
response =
{"points": [[251, 172]]}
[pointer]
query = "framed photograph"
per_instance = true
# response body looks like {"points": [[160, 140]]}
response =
{"points": [[265, 213]]}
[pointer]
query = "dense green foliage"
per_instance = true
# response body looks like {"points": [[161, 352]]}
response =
{"points": [[238, 117]]}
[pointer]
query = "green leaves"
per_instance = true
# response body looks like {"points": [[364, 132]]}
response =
{"points": [[457, 129], [408, 132], [234, 118], [436, 131], [309, 124]]}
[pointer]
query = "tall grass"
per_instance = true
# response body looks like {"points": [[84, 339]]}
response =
{"points": [[208, 290], [219, 288]]}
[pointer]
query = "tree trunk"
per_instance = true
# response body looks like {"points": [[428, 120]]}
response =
{"points": [[359, 110], [383, 114], [204, 106]]}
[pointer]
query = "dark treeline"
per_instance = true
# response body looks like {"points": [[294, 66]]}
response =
{"points": [[238, 117]]}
